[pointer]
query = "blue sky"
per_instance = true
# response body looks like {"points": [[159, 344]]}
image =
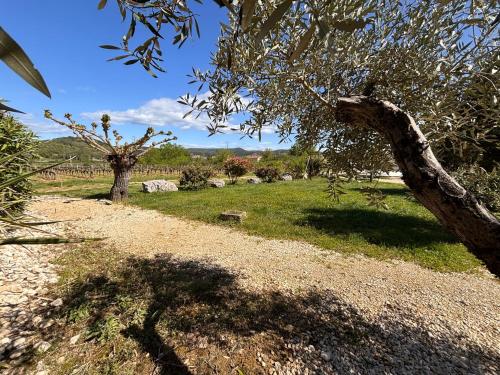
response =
{"points": [[62, 40]]}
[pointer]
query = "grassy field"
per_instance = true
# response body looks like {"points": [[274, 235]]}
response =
{"points": [[301, 210]]}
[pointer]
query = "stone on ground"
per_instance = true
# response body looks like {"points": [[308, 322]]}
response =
{"points": [[74, 339], [254, 180], [24, 273], [216, 183], [56, 303], [287, 177], [154, 186], [42, 346], [237, 216]]}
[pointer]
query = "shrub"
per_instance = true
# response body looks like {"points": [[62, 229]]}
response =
{"points": [[195, 177], [485, 186], [313, 166], [19, 143], [168, 154], [268, 173], [220, 157], [296, 167], [236, 167]]}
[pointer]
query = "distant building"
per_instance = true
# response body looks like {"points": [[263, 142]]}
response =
{"points": [[254, 157], [196, 156]]}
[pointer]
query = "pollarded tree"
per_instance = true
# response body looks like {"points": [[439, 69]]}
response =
{"points": [[121, 157]]}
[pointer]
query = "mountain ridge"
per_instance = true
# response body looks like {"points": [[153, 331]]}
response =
{"points": [[63, 148]]}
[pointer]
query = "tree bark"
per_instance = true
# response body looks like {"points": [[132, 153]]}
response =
{"points": [[122, 167], [456, 208]]}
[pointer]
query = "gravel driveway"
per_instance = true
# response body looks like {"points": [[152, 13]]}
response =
{"points": [[412, 320]]}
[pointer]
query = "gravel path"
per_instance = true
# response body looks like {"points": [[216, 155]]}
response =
{"points": [[25, 309], [416, 320]]}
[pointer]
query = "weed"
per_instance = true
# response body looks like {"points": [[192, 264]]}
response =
{"points": [[104, 329], [79, 313]]}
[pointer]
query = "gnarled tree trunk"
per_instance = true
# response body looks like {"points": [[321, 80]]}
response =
{"points": [[122, 166], [456, 208]]}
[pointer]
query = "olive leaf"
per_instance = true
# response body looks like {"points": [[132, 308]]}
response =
{"points": [[303, 43], [274, 18], [13, 55], [101, 4], [4, 107], [350, 24], [44, 240]]}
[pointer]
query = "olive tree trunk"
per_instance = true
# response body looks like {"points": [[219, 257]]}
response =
{"points": [[122, 168], [456, 208]]}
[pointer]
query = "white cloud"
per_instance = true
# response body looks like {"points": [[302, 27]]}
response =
{"points": [[162, 112], [269, 130], [155, 112], [42, 127]]}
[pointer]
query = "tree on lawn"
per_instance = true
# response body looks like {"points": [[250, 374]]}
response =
{"points": [[370, 65], [169, 154], [121, 157]]}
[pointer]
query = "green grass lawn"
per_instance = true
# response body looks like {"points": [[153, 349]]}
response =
{"points": [[301, 210]]}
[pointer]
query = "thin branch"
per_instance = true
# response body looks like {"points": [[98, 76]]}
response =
{"points": [[318, 96], [154, 144], [79, 130]]}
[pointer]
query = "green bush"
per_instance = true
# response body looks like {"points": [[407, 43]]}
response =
{"points": [[19, 143], [236, 167], [220, 157], [313, 166], [169, 154], [268, 173], [195, 177], [485, 186], [296, 166]]}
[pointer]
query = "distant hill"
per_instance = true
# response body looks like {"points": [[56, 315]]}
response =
{"points": [[236, 151], [64, 148], [213, 151], [59, 149]]}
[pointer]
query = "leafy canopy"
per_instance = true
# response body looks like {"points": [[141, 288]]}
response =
{"points": [[431, 58], [305, 54], [168, 154]]}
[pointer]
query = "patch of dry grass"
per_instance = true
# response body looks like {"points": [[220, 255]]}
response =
{"points": [[167, 315]]}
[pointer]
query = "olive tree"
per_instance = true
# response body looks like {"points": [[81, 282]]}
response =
{"points": [[395, 71], [374, 71], [121, 157]]}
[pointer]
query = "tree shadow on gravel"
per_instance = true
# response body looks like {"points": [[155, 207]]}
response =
{"points": [[97, 196], [376, 226], [176, 309]]}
